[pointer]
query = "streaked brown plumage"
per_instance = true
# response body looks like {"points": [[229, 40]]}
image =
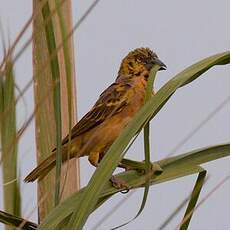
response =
{"points": [[116, 106]]}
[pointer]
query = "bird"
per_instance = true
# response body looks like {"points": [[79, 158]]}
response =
{"points": [[116, 106]]}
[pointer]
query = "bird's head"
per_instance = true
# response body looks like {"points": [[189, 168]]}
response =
{"points": [[139, 61]]}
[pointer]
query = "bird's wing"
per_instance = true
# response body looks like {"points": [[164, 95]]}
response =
{"points": [[110, 102]]}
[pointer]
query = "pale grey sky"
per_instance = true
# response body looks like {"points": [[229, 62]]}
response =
{"points": [[181, 32]]}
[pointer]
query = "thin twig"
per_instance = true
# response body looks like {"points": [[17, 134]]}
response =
{"points": [[21, 33]]}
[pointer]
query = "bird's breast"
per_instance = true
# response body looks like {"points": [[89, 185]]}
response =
{"points": [[105, 133]]}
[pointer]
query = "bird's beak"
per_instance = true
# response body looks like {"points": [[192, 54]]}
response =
{"points": [[160, 63], [156, 61]]}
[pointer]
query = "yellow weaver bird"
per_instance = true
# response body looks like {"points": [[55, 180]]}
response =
{"points": [[116, 106]]}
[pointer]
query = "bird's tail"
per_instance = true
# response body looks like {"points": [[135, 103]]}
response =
{"points": [[48, 164], [42, 169]]}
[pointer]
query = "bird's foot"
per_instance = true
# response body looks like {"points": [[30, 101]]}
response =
{"points": [[119, 184]]}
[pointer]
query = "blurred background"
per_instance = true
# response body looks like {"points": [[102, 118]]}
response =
{"points": [[181, 33]]}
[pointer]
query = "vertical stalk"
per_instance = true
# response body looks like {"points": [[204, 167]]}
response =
{"points": [[46, 128], [70, 178], [8, 139]]}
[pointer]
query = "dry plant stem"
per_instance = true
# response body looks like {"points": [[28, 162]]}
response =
{"points": [[46, 62], [12, 47], [47, 94], [40, 71], [43, 199], [27, 43], [70, 178], [8, 132], [30, 119], [45, 115], [24, 29], [69, 36]]}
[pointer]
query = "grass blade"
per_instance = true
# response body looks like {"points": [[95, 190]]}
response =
{"points": [[218, 186], [171, 170], [104, 171], [49, 63], [107, 165], [8, 133], [48, 115], [193, 200], [69, 180], [147, 168], [67, 207], [114, 154], [148, 96], [15, 221], [45, 127], [198, 156], [51, 44], [177, 209]]}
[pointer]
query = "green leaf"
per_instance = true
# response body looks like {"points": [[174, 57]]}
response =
{"points": [[197, 157], [193, 200], [51, 44], [149, 91], [66, 208], [16, 221], [67, 60], [147, 151], [105, 169], [8, 134], [114, 154], [173, 167]]}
